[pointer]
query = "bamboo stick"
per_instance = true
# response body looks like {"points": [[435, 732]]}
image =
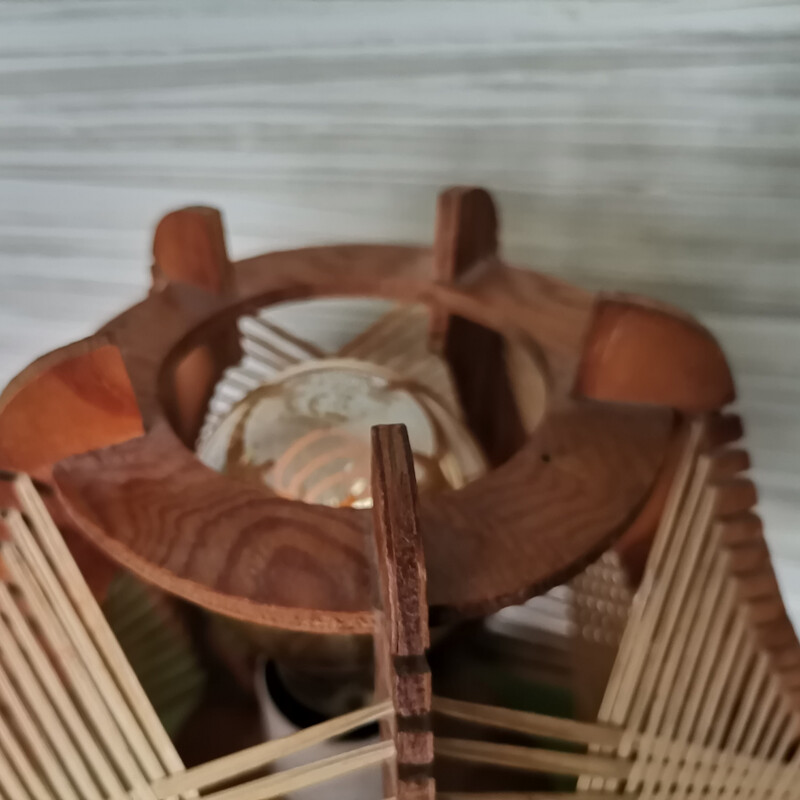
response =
{"points": [[529, 796], [725, 771], [773, 747], [42, 710], [57, 693], [292, 780], [78, 634], [772, 772], [38, 746], [236, 764], [567, 730], [532, 759], [9, 781], [65, 567], [664, 658], [19, 759], [656, 617], [630, 655], [94, 703]]}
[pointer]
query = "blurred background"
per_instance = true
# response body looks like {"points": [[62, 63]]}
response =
{"points": [[648, 147]]}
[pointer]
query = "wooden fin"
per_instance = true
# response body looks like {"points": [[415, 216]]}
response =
{"points": [[189, 247], [402, 635], [639, 352], [70, 401]]}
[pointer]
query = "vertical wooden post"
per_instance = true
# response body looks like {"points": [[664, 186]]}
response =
{"points": [[189, 247], [75, 399], [466, 236], [402, 636]]}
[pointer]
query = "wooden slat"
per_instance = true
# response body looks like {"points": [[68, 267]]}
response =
{"points": [[110, 725], [57, 693], [160, 747], [527, 796], [531, 759], [234, 765], [17, 757], [402, 636], [696, 690], [23, 721], [42, 709], [567, 730], [630, 657], [292, 780], [9, 780]]}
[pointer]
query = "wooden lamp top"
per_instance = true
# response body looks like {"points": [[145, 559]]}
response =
{"points": [[108, 419]]}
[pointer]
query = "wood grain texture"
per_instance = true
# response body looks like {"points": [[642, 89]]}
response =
{"points": [[465, 236], [650, 148], [402, 576], [554, 506], [151, 505], [549, 509], [72, 400], [466, 241], [155, 334], [402, 637], [579, 471]]}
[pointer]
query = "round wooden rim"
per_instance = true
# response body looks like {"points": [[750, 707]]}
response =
{"points": [[493, 542]]}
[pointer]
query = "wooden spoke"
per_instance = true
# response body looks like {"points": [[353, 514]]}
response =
{"points": [[402, 637]]}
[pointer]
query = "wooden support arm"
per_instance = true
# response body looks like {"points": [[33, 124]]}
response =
{"points": [[402, 637], [466, 236]]}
